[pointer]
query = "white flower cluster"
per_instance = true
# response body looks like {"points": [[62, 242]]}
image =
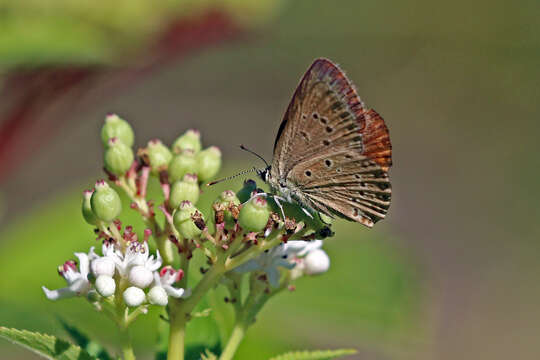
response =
{"points": [[133, 264], [303, 257]]}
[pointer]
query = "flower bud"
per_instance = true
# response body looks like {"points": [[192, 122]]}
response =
{"points": [[190, 140], [133, 296], [244, 194], [118, 157], [254, 214], [159, 156], [187, 189], [316, 262], [158, 296], [87, 212], [208, 162], [105, 202], [182, 164], [183, 222], [103, 266], [228, 198], [105, 285], [116, 127], [140, 276]]}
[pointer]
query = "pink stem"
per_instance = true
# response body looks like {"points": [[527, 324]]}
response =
{"points": [[143, 181]]}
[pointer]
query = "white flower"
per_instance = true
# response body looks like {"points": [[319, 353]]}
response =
{"points": [[270, 260], [158, 296], [105, 285], [301, 248], [77, 280], [286, 255], [140, 276], [316, 262], [133, 296], [136, 253], [103, 266], [163, 286]]}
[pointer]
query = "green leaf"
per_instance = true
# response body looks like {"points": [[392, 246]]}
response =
{"points": [[47, 346], [314, 355], [81, 339]]}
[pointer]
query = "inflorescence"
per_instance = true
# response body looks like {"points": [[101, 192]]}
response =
{"points": [[243, 234]]}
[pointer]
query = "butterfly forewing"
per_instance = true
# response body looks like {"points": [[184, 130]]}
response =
{"points": [[333, 152]]}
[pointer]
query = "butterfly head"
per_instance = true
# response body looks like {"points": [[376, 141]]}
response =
{"points": [[264, 174]]}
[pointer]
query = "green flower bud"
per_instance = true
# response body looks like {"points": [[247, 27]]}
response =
{"points": [[191, 140], [209, 162], [117, 127], [87, 212], [105, 202], [183, 222], [227, 198], [159, 156], [244, 194], [118, 157], [186, 189], [254, 214], [182, 164]]}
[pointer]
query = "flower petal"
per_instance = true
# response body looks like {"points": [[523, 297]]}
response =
{"points": [[248, 266], [174, 292], [63, 293], [273, 276], [84, 263]]}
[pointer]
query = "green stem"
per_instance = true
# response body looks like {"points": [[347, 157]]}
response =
{"points": [[177, 334], [127, 349], [237, 335], [180, 310]]}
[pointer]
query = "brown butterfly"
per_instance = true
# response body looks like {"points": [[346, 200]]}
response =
{"points": [[331, 153]]}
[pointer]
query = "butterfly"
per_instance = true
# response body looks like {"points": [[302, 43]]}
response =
{"points": [[332, 154]]}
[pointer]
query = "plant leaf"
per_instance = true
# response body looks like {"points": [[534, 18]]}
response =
{"points": [[314, 355], [47, 346], [92, 347]]}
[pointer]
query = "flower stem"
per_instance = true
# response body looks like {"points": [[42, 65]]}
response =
{"points": [[127, 349], [177, 335], [237, 335]]}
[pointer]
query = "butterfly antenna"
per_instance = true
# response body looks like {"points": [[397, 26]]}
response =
{"points": [[254, 153], [232, 176]]}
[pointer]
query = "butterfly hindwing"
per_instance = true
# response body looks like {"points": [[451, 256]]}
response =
{"points": [[333, 151]]}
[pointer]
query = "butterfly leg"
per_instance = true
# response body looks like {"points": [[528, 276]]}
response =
{"points": [[307, 213], [277, 198], [255, 196]]}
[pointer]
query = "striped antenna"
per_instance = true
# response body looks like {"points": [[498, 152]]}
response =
{"points": [[232, 176]]}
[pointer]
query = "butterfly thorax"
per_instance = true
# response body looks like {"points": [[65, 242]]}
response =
{"points": [[282, 187]]}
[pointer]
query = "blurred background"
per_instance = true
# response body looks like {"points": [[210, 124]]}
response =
{"points": [[453, 270]]}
